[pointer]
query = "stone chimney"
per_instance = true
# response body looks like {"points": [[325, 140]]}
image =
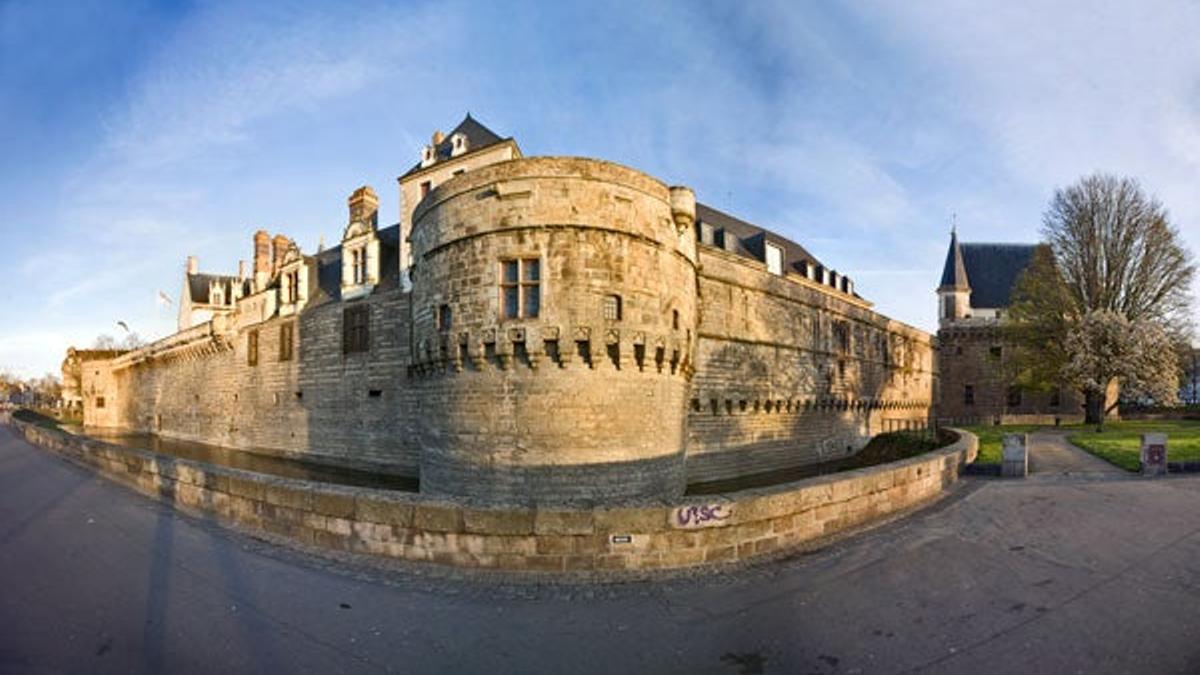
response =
{"points": [[262, 259], [242, 270], [364, 206], [279, 246], [193, 265], [438, 137]]}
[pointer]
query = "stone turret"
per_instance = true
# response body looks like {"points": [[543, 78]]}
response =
{"points": [[555, 335], [954, 292]]}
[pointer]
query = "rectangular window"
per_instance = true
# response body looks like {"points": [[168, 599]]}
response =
{"points": [[1014, 396], [293, 287], [443, 318], [774, 259], [286, 334], [995, 352], [841, 336], [612, 308], [252, 348], [1055, 398], [425, 188], [968, 395], [355, 334], [520, 288], [359, 265], [99, 401]]}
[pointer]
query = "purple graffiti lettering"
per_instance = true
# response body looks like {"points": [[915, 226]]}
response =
{"points": [[686, 515]]}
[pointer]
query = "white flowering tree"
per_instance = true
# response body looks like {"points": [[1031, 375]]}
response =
{"points": [[1104, 347]]}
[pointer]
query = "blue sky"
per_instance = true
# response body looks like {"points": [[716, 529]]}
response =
{"points": [[134, 134]]}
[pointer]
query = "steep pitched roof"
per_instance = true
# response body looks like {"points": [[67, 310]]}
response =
{"points": [[478, 137], [749, 239], [993, 269], [954, 272]]}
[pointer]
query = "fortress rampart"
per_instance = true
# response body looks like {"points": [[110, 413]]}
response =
{"points": [[569, 330], [582, 396]]}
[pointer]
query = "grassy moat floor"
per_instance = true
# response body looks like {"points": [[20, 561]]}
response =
{"points": [[1119, 443]]}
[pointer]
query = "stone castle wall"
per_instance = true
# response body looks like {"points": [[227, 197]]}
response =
{"points": [[678, 533], [791, 372], [967, 357], [353, 409], [715, 368]]}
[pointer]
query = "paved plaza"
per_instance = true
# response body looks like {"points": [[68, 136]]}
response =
{"points": [[1079, 568]]}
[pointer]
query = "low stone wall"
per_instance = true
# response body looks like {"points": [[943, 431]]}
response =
{"points": [[684, 533]]}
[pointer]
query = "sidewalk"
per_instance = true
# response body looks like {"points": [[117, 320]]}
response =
{"points": [[1050, 453]]}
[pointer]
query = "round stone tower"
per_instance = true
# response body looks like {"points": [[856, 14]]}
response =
{"points": [[554, 314]]}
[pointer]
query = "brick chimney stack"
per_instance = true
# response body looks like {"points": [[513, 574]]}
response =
{"points": [[193, 265], [364, 206], [262, 259], [279, 246]]}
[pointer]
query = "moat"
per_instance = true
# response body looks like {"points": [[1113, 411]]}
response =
{"points": [[258, 461]]}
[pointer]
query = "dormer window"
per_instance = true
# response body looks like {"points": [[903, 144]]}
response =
{"points": [[216, 295], [774, 259], [293, 282], [428, 156], [458, 144]]}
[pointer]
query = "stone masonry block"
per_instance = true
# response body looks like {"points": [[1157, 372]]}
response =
{"points": [[333, 504], [546, 521], [498, 521], [381, 510], [630, 520], [291, 497], [438, 518]]}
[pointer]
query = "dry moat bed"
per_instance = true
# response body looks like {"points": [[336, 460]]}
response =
{"points": [[884, 448], [236, 458]]}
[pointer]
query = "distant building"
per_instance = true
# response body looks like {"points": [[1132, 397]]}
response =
{"points": [[973, 298], [72, 396]]}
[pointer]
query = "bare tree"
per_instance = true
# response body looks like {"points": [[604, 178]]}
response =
{"points": [[1113, 252], [1116, 250], [104, 342]]}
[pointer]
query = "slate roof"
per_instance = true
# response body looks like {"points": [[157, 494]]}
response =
{"points": [[954, 272], [749, 240], [990, 270], [199, 285], [478, 137]]}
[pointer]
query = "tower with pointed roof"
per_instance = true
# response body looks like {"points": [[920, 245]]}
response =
{"points": [[954, 293]]}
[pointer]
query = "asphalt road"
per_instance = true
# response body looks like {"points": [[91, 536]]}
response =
{"points": [[1056, 574]]}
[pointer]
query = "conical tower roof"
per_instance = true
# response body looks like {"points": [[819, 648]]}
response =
{"points": [[954, 273]]}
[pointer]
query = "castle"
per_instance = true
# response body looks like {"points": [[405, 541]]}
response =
{"points": [[973, 298], [533, 330]]}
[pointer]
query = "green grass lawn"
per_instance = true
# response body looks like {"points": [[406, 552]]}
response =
{"points": [[990, 437], [1120, 443]]}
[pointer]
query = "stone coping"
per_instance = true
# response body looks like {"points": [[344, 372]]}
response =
{"points": [[689, 532]]}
